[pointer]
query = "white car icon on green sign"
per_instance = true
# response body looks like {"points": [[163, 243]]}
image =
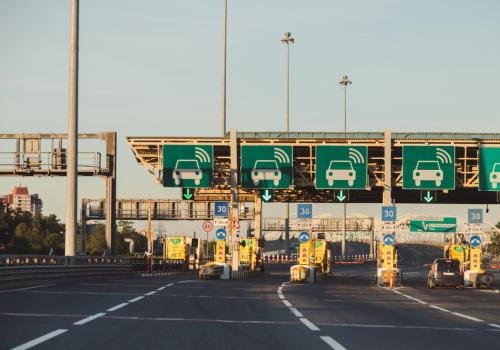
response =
{"points": [[340, 170], [427, 170], [495, 175], [187, 169], [266, 170]]}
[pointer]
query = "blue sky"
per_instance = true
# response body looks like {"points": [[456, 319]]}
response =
{"points": [[154, 68]]}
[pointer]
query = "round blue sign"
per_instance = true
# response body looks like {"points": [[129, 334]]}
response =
{"points": [[220, 233], [475, 241], [388, 239], [304, 237]]}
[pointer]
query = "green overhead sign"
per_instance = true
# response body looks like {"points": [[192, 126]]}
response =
{"points": [[434, 225], [187, 166], [428, 167], [489, 169], [266, 166], [341, 167]]}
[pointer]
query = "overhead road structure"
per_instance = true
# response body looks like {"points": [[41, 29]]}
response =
{"points": [[45, 155], [161, 209], [384, 165]]}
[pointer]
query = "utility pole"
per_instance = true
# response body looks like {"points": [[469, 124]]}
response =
{"points": [[224, 59], [72, 154], [344, 82], [287, 39]]}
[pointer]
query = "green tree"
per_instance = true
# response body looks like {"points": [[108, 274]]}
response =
{"points": [[127, 230], [96, 242]]}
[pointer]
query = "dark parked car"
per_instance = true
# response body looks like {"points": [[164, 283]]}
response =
{"points": [[445, 273]]}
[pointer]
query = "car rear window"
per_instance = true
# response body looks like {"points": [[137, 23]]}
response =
{"points": [[448, 265]]}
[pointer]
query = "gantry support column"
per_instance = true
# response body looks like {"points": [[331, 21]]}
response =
{"points": [[233, 231], [387, 196], [258, 225], [110, 206]]}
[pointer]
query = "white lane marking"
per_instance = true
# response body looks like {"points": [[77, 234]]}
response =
{"points": [[181, 319], [414, 299], [151, 293], [115, 284], [90, 318], [40, 340], [26, 288], [296, 312], [119, 306], [489, 290], [161, 288], [171, 284], [135, 299], [281, 296], [439, 308], [356, 325], [309, 324], [494, 325], [286, 302], [467, 317], [333, 344]]}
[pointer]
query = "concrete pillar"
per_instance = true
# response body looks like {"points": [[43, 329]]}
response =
{"points": [[387, 195], [110, 206], [234, 232], [258, 223]]}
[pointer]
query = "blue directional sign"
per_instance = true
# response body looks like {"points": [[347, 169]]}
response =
{"points": [[221, 209], [475, 216], [220, 233], [304, 211], [304, 237], [388, 213], [388, 239], [475, 241]]}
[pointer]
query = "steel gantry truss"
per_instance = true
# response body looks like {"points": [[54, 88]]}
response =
{"points": [[384, 164]]}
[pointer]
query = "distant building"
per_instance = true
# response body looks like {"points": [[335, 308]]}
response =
{"points": [[20, 199]]}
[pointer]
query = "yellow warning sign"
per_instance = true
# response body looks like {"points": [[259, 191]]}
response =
{"points": [[475, 259], [388, 254], [459, 252], [305, 253], [319, 250], [220, 251], [246, 250], [176, 248]]}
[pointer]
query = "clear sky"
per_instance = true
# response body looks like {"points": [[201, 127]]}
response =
{"points": [[153, 67]]}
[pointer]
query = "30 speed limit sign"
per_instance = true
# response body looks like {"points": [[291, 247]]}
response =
{"points": [[207, 226]]}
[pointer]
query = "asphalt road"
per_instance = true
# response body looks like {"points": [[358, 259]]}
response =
{"points": [[179, 312]]}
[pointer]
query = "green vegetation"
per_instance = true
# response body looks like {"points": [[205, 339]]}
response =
{"points": [[96, 242], [24, 233], [494, 247]]}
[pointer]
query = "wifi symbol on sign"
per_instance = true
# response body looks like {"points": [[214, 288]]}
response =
{"points": [[443, 156], [356, 156], [201, 155], [281, 156]]}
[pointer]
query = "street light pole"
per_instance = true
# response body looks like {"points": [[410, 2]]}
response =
{"points": [[287, 39], [72, 158], [224, 59], [344, 82]]}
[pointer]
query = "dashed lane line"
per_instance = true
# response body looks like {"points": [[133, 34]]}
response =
{"points": [[296, 312], [494, 325], [309, 324], [119, 306], [40, 340], [151, 293], [89, 319], [471, 318], [332, 342], [25, 288], [136, 299]]}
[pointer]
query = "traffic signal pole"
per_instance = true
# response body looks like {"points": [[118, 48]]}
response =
{"points": [[234, 212]]}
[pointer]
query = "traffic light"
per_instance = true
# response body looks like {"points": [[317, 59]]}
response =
{"points": [[266, 195], [194, 242]]}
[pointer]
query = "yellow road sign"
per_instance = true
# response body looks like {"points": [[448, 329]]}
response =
{"points": [[220, 251], [176, 248]]}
